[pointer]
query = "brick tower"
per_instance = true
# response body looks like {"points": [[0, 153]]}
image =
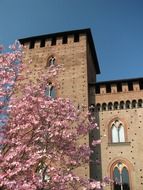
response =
{"points": [[76, 52]]}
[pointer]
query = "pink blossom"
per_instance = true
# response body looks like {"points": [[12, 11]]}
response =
{"points": [[41, 149], [95, 142]]}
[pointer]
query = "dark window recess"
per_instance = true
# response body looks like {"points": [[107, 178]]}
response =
{"points": [[76, 38], [128, 104], [51, 61], [65, 40], [98, 106], [53, 41], [134, 103], [122, 105], [140, 103], [130, 86], [32, 43], [42, 44], [108, 88], [119, 87], [116, 105], [104, 106], [141, 84], [97, 89], [110, 106]]}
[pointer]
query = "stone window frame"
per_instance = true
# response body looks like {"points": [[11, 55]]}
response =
{"points": [[128, 165], [110, 131], [51, 88], [52, 56]]}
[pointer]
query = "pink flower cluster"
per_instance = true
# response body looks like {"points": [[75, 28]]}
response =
{"points": [[39, 147]]}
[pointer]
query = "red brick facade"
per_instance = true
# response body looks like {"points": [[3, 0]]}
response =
{"points": [[115, 101]]}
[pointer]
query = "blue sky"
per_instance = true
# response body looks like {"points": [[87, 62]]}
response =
{"points": [[116, 25]]}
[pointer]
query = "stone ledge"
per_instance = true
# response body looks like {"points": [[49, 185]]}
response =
{"points": [[119, 144]]}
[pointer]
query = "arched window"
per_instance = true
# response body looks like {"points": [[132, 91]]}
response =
{"points": [[51, 61], [117, 132], [110, 106], [134, 103], [50, 90], [122, 105], [116, 105], [98, 106], [128, 104], [104, 107], [139, 103], [121, 177], [42, 171]]}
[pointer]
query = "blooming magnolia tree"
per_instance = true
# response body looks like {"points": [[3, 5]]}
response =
{"points": [[40, 147]]}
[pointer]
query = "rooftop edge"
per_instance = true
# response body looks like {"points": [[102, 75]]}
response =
{"points": [[86, 31]]}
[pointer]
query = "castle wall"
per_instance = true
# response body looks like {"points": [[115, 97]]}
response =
{"points": [[126, 106], [113, 100]]}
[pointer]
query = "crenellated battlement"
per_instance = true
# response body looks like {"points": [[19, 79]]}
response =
{"points": [[46, 42], [62, 38], [119, 105], [119, 94], [81, 40], [119, 86]]}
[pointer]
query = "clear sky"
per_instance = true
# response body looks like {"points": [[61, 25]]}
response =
{"points": [[116, 25]]}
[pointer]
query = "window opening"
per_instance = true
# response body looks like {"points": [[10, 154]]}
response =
{"points": [[134, 103], [42, 170], [117, 131], [98, 106], [121, 177], [139, 103], [110, 105], [50, 90], [122, 105], [128, 104], [104, 107], [116, 105], [51, 61]]}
